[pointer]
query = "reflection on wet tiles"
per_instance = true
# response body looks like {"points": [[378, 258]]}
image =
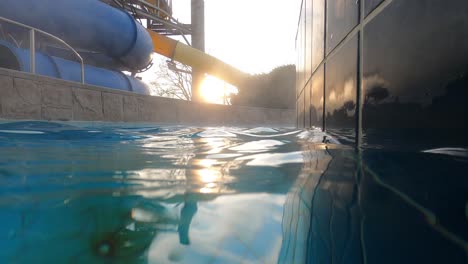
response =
{"points": [[420, 80], [318, 32], [393, 203], [300, 50], [342, 17], [317, 98], [308, 39], [301, 109], [341, 87], [307, 105]]}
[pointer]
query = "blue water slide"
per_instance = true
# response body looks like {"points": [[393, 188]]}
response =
{"points": [[18, 59], [86, 24]]}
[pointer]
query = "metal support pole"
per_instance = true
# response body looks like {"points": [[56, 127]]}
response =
{"points": [[198, 42], [32, 51], [32, 46], [82, 73], [159, 6], [198, 24]]}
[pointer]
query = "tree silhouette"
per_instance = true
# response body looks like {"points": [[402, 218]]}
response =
{"points": [[173, 80], [273, 90]]}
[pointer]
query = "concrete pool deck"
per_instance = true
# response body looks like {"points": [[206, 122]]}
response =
{"points": [[35, 97]]}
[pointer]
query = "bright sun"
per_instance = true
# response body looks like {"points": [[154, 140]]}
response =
{"points": [[215, 90]]}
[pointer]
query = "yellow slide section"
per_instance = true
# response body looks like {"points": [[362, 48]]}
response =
{"points": [[196, 59]]}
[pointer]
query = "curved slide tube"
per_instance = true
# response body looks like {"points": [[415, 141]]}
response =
{"points": [[18, 59], [197, 59], [86, 24], [98, 27]]}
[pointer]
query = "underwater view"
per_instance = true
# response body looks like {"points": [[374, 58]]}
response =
{"points": [[123, 193]]}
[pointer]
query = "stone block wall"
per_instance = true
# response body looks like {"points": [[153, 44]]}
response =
{"points": [[34, 97]]}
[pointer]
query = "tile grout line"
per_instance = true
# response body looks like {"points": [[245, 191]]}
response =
{"points": [[360, 76], [355, 31]]}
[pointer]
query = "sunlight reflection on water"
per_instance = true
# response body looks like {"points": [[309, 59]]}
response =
{"points": [[139, 194], [197, 194]]}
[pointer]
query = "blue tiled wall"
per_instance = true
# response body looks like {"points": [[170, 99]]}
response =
{"points": [[384, 64]]}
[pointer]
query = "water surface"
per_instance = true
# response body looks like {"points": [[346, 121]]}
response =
{"points": [[107, 193]]}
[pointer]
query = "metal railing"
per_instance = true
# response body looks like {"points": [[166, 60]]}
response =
{"points": [[135, 8], [32, 45]]}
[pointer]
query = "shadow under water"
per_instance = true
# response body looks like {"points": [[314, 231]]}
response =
{"points": [[143, 194]]}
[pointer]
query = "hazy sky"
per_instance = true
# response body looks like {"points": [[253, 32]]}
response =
{"points": [[253, 35]]}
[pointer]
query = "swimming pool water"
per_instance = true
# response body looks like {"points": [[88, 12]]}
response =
{"points": [[115, 193]]}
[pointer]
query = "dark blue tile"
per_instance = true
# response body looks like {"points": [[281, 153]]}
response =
{"points": [[395, 231], [300, 59], [318, 32], [301, 110], [370, 5], [341, 87], [307, 105], [317, 98], [309, 23], [342, 17], [416, 70]]}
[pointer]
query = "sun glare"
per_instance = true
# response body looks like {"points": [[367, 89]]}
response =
{"points": [[216, 91]]}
